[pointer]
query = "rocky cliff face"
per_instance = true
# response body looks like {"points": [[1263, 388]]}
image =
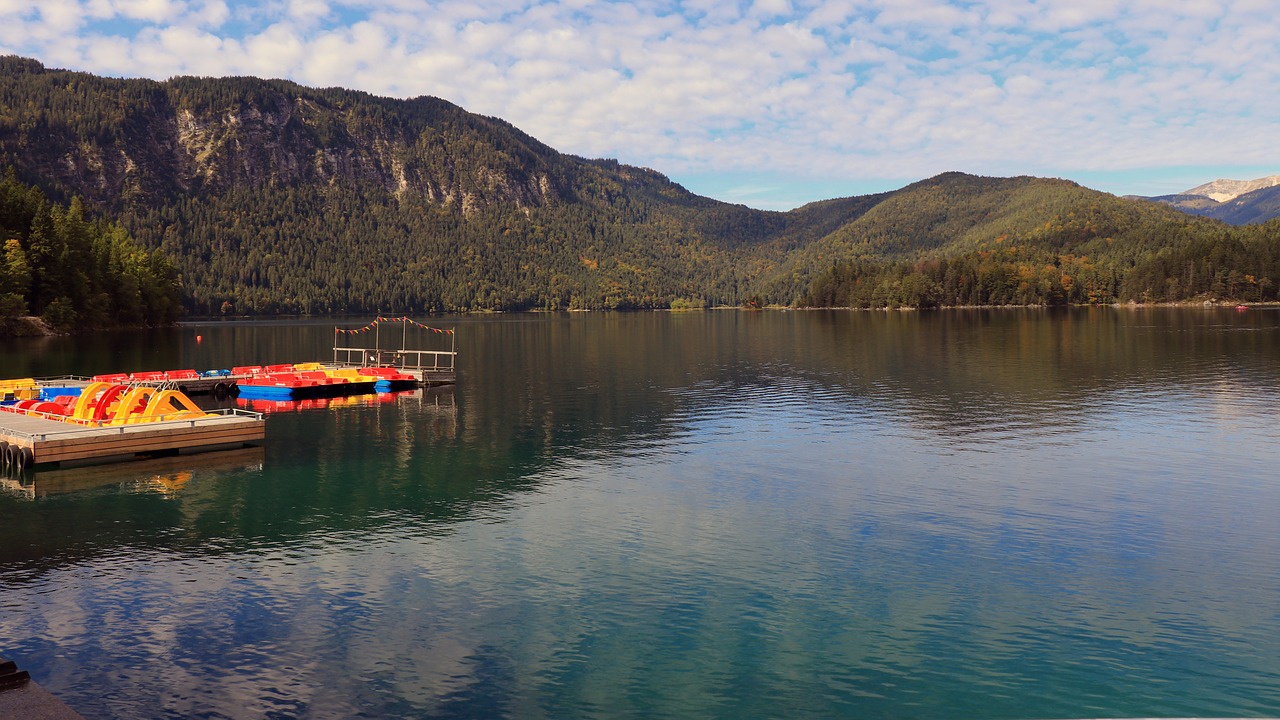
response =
{"points": [[150, 141], [1238, 202], [1224, 190]]}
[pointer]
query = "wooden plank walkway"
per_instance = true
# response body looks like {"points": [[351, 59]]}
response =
{"points": [[22, 697], [53, 441]]}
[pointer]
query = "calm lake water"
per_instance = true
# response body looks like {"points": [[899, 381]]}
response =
{"points": [[998, 514]]}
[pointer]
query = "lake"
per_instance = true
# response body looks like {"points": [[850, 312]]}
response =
{"points": [[956, 514]]}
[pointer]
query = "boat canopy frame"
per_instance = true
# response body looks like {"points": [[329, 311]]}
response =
{"points": [[403, 357]]}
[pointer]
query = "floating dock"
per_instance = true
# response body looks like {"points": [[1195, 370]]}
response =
{"points": [[219, 385], [21, 697], [117, 418], [187, 382], [30, 440], [430, 367]]}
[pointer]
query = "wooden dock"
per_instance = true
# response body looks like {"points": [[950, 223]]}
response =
{"points": [[430, 367], [54, 443]]}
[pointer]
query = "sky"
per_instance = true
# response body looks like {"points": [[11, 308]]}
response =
{"points": [[769, 103]]}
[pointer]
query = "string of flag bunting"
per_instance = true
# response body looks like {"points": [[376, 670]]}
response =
{"points": [[381, 319]]}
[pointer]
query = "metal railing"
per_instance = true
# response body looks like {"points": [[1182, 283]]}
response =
{"points": [[421, 360]]}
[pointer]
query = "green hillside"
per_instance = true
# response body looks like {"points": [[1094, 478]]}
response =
{"points": [[269, 197], [274, 198], [961, 240]]}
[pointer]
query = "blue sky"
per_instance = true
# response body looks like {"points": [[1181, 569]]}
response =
{"points": [[771, 103]]}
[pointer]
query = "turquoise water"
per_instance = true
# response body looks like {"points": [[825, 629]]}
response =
{"points": [[1012, 514]]}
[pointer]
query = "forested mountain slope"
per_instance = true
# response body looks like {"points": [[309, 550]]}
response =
{"points": [[75, 271], [275, 197], [961, 240], [270, 197]]}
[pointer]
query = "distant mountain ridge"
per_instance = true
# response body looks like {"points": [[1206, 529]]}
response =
{"points": [[1224, 190], [1238, 202], [271, 197]]}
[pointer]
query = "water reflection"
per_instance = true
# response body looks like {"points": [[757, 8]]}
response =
{"points": [[1005, 514], [165, 475]]}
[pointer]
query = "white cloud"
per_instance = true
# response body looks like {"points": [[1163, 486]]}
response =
{"points": [[99, 9], [10, 8], [212, 13], [59, 16], [923, 14], [156, 11], [771, 8], [107, 55], [277, 50], [308, 10], [838, 89]]}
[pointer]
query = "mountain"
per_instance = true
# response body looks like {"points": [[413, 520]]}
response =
{"points": [[957, 239], [1250, 208], [1238, 202], [270, 197], [1224, 190], [273, 197]]}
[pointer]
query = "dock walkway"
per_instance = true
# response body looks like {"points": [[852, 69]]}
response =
{"points": [[60, 443], [21, 697]]}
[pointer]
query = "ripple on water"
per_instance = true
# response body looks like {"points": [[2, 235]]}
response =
{"points": [[1040, 524]]}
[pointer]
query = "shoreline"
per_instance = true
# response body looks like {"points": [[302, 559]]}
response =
{"points": [[31, 326], [26, 326]]}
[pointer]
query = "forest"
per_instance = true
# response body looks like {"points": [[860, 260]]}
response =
{"points": [[77, 272], [1051, 243], [261, 197]]}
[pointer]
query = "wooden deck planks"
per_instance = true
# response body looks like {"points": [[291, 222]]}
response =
{"points": [[52, 441]]}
